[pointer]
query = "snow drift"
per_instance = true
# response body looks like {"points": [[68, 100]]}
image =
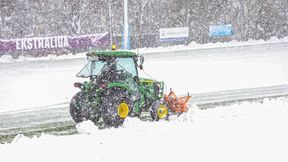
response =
{"points": [[240, 132]]}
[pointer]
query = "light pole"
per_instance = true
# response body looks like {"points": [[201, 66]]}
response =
{"points": [[110, 24], [126, 41]]}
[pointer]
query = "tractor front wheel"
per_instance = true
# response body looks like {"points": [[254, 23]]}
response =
{"points": [[159, 110]]}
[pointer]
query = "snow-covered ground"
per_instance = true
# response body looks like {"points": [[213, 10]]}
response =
{"points": [[240, 132], [27, 83], [245, 132]]}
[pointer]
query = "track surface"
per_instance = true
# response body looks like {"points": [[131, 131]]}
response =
{"points": [[55, 119]]}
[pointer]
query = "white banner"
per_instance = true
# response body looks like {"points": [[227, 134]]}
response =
{"points": [[172, 34]]}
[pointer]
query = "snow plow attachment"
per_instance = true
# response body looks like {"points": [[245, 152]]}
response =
{"points": [[175, 104]]}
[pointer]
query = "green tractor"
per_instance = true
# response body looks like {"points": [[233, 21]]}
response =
{"points": [[115, 90]]}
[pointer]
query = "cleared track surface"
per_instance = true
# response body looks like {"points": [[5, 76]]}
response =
{"points": [[56, 120]]}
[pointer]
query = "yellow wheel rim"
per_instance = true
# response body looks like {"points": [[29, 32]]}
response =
{"points": [[162, 111], [123, 110]]}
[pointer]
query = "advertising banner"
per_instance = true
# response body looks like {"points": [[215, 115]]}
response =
{"points": [[54, 43], [220, 30], [173, 34]]}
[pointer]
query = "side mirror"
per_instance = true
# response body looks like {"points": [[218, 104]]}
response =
{"points": [[141, 59], [141, 62]]}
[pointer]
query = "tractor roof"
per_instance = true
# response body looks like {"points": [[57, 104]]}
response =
{"points": [[111, 54]]}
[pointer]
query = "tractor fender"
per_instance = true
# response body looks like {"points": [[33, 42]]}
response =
{"points": [[120, 85]]}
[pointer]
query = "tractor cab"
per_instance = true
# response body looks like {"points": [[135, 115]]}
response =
{"points": [[112, 61], [105, 67]]}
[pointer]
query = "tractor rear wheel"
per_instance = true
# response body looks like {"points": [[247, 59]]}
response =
{"points": [[116, 104], [159, 110], [81, 108]]}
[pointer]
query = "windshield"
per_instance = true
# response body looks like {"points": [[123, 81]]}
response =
{"points": [[95, 67], [92, 68]]}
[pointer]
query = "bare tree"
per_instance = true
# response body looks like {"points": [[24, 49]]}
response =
{"points": [[78, 15]]}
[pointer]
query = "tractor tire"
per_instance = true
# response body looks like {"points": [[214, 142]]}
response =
{"points": [[111, 101], [81, 109], [159, 111]]}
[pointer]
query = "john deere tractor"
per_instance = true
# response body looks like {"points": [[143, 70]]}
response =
{"points": [[115, 90]]}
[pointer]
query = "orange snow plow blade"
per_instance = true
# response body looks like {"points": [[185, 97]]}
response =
{"points": [[176, 104]]}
